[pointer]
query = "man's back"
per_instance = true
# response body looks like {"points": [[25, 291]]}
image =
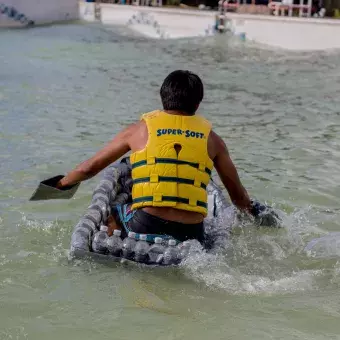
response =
{"points": [[137, 138]]}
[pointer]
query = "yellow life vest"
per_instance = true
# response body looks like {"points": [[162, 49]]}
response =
{"points": [[163, 177]]}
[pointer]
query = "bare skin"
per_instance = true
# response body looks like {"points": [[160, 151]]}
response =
{"points": [[134, 138]]}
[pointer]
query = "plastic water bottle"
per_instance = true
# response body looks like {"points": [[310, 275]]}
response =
{"points": [[129, 245], [184, 249], [171, 253], [142, 249], [99, 244], [115, 243], [156, 251]]}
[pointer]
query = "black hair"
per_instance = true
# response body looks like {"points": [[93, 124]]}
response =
{"points": [[182, 91]]}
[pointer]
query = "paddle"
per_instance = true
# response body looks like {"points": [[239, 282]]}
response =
{"points": [[47, 190]]}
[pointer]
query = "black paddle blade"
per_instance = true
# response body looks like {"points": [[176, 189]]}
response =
{"points": [[47, 190]]}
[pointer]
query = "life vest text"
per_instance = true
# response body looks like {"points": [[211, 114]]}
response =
{"points": [[186, 133]]}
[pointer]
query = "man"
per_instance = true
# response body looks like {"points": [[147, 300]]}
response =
{"points": [[173, 153]]}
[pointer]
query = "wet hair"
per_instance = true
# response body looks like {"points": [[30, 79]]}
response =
{"points": [[182, 91]]}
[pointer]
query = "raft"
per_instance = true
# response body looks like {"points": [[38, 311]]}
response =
{"points": [[115, 188]]}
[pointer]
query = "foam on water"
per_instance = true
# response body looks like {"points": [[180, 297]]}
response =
{"points": [[258, 261], [324, 247], [46, 226], [250, 260]]}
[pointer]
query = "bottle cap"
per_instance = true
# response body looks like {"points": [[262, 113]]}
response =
{"points": [[172, 242], [186, 243], [132, 234], [117, 232], [142, 237], [103, 228], [158, 240]]}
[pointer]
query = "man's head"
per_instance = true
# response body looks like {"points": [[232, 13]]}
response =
{"points": [[182, 91]]}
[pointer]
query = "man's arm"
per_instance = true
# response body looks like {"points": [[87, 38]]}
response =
{"points": [[228, 174], [115, 149]]}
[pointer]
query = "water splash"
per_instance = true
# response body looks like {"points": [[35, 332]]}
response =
{"points": [[259, 260]]}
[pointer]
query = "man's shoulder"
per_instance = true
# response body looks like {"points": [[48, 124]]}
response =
{"points": [[139, 124], [215, 143]]}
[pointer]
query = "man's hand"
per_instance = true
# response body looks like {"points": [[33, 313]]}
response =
{"points": [[228, 174]]}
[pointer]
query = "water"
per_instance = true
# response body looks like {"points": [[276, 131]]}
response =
{"points": [[66, 90]]}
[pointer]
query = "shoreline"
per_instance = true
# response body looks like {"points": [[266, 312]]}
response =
{"points": [[197, 12], [290, 33]]}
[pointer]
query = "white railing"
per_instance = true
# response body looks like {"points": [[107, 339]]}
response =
{"points": [[153, 3], [280, 8]]}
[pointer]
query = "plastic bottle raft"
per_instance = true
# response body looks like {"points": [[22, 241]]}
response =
{"points": [[90, 239], [135, 247]]}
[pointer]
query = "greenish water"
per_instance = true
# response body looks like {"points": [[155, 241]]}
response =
{"points": [[66, 90]]}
